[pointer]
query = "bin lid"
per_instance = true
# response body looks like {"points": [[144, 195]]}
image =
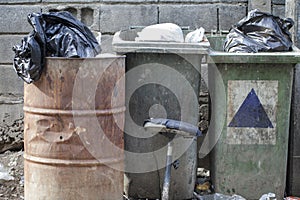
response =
{"points": [[124, 42], [292, 57]]}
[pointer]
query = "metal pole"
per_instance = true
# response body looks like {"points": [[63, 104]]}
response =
{"points": [[167, 178]]}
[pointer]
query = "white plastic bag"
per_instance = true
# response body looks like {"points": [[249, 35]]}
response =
{"points": [[161, 32], [269, 196], [4, 175], [195, 36]]}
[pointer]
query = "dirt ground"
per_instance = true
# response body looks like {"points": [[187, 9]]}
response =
{"points": [[11, 175]]}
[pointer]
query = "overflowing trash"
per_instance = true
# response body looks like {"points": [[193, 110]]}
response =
{"points": [[260, 32], [168, 32], [55, 34], [204, 190], [196, 36]]}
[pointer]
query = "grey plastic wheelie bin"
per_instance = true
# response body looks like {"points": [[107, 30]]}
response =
{"points": [[162, 81]]}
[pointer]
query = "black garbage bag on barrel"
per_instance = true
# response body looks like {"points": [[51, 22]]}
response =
{"points": [[55, 34]]}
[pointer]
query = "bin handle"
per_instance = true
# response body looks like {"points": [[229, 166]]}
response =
{"points": [[173, 126]]}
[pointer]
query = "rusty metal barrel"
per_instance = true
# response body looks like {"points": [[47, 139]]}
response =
{"points": [[73, 134]]}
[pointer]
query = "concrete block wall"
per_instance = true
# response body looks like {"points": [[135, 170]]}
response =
{"points": [[13, 28], [278, 7], [107, 17]]}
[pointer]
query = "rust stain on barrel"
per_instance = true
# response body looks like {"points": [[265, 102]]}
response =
{"points": [[64, 158]]}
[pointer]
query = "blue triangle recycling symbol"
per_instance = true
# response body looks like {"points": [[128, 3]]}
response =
{"points": [[251, 114]]}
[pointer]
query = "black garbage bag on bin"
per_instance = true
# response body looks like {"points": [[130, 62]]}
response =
{"points": [[260, 32], [55, 34]]}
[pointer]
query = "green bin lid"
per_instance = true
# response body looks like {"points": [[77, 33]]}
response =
{"points": [[261, 57]]}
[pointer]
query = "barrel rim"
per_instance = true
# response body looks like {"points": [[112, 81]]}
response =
{"points": [[99, 57], [55, 161], [47, 111]]}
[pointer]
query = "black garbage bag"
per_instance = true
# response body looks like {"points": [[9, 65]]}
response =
{"points": [[260, 32], [55, 34]]}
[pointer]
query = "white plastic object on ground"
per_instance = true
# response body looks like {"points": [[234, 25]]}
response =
{"points": [[269, 196], [4, 174], [218, 196]]}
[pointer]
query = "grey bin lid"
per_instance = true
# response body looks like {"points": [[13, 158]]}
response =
{"points": [[124, 42]]}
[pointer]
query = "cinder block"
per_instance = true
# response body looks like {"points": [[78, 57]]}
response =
{"points": [[9, 113], [6, 44], [86, 13], [11, 126], [278, 10], [195, 16], [262, 5], [230, 15], [116, 17], [69, 1], [129, 1], [202, 1], [281, 2], [73, 9], [106, 44], [10, 83], [15, 18], [19, 1]]}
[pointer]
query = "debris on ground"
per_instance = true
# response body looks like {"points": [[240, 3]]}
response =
{"points": [[292, 198], [4, 175], [218, 196], [11, 175], [12, 182], [11, 135], [204, 189], [269, 196], [203, 182]]}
